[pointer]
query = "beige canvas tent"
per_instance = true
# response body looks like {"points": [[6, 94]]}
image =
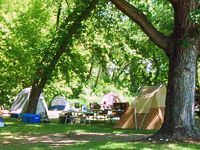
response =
{"points": [[147, 109]]}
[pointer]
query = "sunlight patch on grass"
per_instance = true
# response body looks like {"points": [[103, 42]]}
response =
{"points": [[117, 132], [36, 148], [33, 125], [147, 146], [113, 145], [181, 146], [173, 146], [5, 134], [80, 131]]}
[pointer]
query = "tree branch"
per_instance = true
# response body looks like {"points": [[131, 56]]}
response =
{"points": [[140, 18], [67, 3], [58, 14]]}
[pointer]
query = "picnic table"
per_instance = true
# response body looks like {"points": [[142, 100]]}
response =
{"points": [[74, 116]]}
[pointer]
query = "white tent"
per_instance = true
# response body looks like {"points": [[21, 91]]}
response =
{"points": [[59, 103], [21, 102]]}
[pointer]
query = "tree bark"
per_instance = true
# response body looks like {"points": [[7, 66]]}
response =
{"points": [[179, 123], [62, 43], [182, 48], [197, 75]]}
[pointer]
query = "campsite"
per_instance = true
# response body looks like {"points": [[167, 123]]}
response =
{"points": [[139, 121], [99, 74]]}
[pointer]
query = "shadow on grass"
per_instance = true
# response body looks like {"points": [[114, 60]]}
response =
{"points": [[15, 126], [102, 146]]}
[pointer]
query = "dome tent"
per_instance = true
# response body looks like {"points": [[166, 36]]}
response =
{"points": [[59, 103], [21, 102], [109, 99]]}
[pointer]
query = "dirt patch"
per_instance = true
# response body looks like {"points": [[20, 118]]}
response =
{"points": [[93, 137], [59, 139]]}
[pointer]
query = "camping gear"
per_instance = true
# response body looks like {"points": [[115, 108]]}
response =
{"points": [[31, 118], [84, 108], [94, 105], [20, 104], [119, 109], [109, 99], [66, 117], [147, 109]]}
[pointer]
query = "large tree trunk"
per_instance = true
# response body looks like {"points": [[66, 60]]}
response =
{"points": [[179, 122], [62, 46], [182, 47]]}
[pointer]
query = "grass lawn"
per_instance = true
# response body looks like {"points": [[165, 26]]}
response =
{"points": [[101, 136]]}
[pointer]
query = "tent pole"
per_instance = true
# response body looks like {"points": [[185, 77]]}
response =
{"points": [[135, 113], [146, 114], [135, 119], [143, 121]]}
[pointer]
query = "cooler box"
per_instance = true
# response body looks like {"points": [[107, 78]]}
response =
{"points": [[31, 118]]}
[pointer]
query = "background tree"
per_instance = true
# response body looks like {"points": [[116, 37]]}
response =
{"points": [[113, 48], [182, 48], [23, 31], [61, 44], [99, 47]]}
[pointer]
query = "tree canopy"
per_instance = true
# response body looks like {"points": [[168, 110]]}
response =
{"points": [[109, 44]]}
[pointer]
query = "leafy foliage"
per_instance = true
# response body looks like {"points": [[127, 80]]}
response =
{"points": [[110, 54]]}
